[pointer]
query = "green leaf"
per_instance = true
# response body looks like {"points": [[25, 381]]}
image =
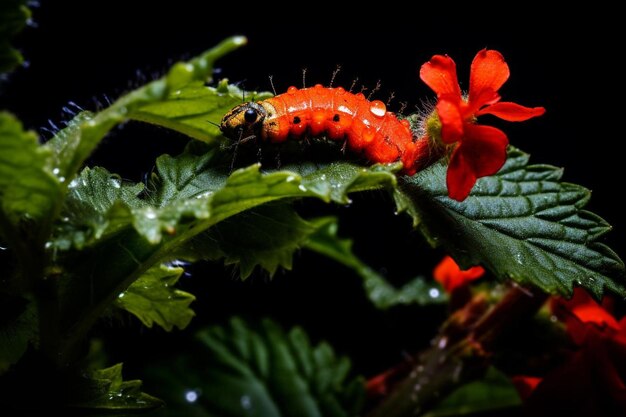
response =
{"points": [[197, 187], [493, 392], [195, 110], [334, 181], [522, 223], [380, 292], [13, 17], [266, 236], [73, 145], [97, 206], [18, 328], [187, 196], [105, 389], [153, 299], [238, 370], [27, 187], [190, 193]]}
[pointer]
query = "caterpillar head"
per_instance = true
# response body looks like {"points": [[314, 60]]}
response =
{"points": [[244, 121]]}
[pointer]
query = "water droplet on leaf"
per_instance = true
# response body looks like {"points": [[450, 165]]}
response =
{"points": [[246, 402], [191, 396]]}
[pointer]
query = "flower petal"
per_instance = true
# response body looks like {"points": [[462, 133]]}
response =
{"points": [[512, 112], [440, 75], [484, 147], [489, 71], [451, 276], [583, 308], [460, 177], [487, 96], [482, 152], [451, 120], [525, 384]]}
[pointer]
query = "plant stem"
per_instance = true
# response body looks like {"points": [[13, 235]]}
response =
{"points": [[460, 352]]}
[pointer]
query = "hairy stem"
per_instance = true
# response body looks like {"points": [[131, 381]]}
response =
{"points": [[460, 352]]}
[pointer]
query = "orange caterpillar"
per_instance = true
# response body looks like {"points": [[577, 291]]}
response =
{"points": [[366, 126]]}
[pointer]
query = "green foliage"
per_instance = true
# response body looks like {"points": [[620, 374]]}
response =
{"points": [[240, 370], [28, 188], [187, 196], [195, 109], [153, 299], [18, 327], [494, 392], [266, 236], [380, 292], [522, 223], [13, 17], [76, 142], [97, 206], [105, 390]]}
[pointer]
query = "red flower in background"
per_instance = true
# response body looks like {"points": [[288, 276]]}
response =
{"points": [[450, 276], [582, 310], [482, 149], [592, 381]]}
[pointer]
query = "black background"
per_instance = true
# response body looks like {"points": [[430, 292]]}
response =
{"points": [[88, 52]]}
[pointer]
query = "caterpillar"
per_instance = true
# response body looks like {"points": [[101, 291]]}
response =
{"points": [[365, 126]]}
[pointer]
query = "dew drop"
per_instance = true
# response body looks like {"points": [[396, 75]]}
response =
{"points": [[292, 90], [240, 40], [302, 188], [378, 108], [433, 293], [191, 396], [56, 171], [443, 342], [246, 402], [290, 178]]}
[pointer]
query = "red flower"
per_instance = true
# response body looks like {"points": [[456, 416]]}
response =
{"points": [[580, 310], [525, 384], [450, 276], [592, 380], [482, 149]]}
